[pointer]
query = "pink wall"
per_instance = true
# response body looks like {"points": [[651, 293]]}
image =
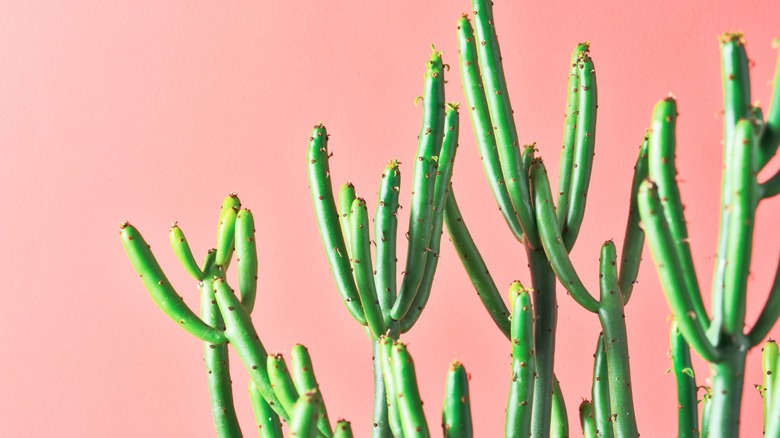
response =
{"points": [[153, 111]]}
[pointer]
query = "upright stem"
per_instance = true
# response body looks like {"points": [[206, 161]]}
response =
{"points": [[215, 357], [545, 317], [380, 426], [727, 384]]}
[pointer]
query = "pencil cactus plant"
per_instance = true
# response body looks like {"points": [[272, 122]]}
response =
{"points": [[519, 183], [750, 141], [546, 225], [370, 293], [225, 319]]}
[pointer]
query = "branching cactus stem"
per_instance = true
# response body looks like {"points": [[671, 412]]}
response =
{"points": [[749, 143]]}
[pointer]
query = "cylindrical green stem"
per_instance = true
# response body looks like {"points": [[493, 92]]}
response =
{"points": [[634, 238], [268, 424], [160, 289], [281, 381], [385, 233], [456, 415], [612, 317], [215, 357], [494, 82], [559, 427], [586, 419], [483, 127], [474, 265], [244, 339], [421, 211], [446, 162], [183, 252], [769, 365], [246, 258], [342, 430], [687, 404], [661, 169], [583, 149], [328, 222], [304, 416], [362, 267], [408, 397], [602, 412], [727, 384], [305, 382], [552, 241], [381, 425], [521, 389], [386, 362], [545, 319]]}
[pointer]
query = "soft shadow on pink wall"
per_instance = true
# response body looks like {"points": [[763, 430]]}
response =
{"points": [[152, 112]]}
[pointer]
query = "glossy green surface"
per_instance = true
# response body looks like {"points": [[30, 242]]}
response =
{"points": [[246, 258], [456, 414], [306, 383], [424, 184], [268, 424], [162, 292], [687, 403], [328, 222], [408, 395], [521, 389]]}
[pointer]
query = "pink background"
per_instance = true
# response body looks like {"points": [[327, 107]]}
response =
{"points": [[153, 111]]}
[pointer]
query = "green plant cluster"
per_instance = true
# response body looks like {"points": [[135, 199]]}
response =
{"points": [[546, 223]]}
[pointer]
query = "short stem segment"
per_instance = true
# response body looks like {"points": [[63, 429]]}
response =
{"points": [[727, 385], [545, 316], [380, 426]]}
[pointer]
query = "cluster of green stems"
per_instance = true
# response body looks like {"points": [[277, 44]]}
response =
{"points": [[546, 223]]}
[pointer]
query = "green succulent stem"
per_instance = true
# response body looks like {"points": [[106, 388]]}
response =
{"points": [[502, 119], [553, 242], [215, 357], [282, 381], [727, 386], [424, 181], [474, 265], [445, 164], [246, 258], [408, 396], [306, 383], [242, 335], [612, 317], [687, 403], [183, 252], [456, 414], [559, 428], [602, 412], [343, 429], [385, 232], [521, 389], [586, 419], [661, 169], [737, 104], [545, 320], [391, 389], [634, 238], [585, 141], [304, 416], [162, 292], [483, 126], [329, 224], [769, 366], [380, 416], [268, 424], [363, 269]]}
